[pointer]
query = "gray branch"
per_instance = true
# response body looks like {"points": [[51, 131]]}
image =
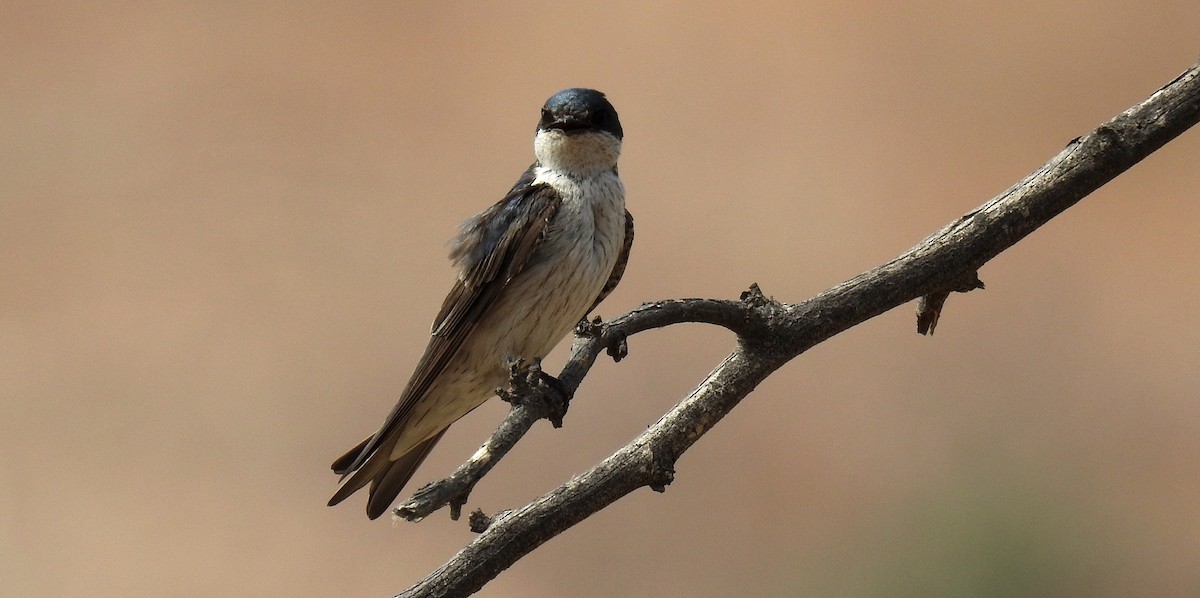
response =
{"points": [[769, 334]]}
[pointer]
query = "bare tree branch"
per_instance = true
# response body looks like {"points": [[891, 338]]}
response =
{"points": [[770, 334], [533, 401]]}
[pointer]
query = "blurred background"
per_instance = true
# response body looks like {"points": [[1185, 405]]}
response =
{"points": [[222, 241]]}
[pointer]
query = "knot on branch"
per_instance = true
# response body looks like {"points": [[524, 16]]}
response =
{"points": [[762, 317], [616, 344], [662, 473], [754, 297], [614, 341], [1114, 142], [929, 307], [656, 467], [478, 521]]}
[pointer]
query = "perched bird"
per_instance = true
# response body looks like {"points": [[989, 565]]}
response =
{"points": [[529, 268]]}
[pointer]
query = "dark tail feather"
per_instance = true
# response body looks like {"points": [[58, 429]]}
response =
{"points": [[387, 478], [387, 486], [342, 465]]}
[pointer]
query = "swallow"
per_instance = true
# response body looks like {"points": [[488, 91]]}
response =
{"points": [[529, 268]]}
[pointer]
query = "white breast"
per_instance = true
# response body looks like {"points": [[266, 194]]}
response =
{"points": [[571, 266]]}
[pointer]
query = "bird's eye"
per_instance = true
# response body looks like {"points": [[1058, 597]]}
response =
{"points": [[545, 114]]}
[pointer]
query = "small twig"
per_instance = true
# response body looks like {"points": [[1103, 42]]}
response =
{"points": [[929, 307]]}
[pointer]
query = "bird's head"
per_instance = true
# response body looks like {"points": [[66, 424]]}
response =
{"points": [[579, 133]]}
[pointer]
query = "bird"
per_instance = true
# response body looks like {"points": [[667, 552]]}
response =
{"points": [[530, 268]]}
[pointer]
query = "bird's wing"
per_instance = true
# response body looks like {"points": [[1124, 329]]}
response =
{"points": [[614, 278], [492, 248]]}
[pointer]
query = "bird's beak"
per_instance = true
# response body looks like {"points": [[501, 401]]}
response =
{"points": [[568, 122]]}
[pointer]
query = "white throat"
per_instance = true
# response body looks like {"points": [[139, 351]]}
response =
{"points": [[584, 154]]}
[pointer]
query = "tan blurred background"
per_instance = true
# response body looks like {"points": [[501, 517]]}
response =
{"points": [[222, 234]]}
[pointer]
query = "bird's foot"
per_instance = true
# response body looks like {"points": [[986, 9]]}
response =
{"points": [[592, 328], [528, 384]]}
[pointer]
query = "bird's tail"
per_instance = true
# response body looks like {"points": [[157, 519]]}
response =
{"points": [[387, 477]]}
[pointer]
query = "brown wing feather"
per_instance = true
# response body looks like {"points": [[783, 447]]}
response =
{"points": [[488, 261], [469, 300]]}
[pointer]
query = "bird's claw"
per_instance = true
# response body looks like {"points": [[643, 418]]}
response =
{"points": [[591, 328], [527, 383]]}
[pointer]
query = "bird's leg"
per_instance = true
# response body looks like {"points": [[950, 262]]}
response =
{"points": [[529, 384], [592, 328]]}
